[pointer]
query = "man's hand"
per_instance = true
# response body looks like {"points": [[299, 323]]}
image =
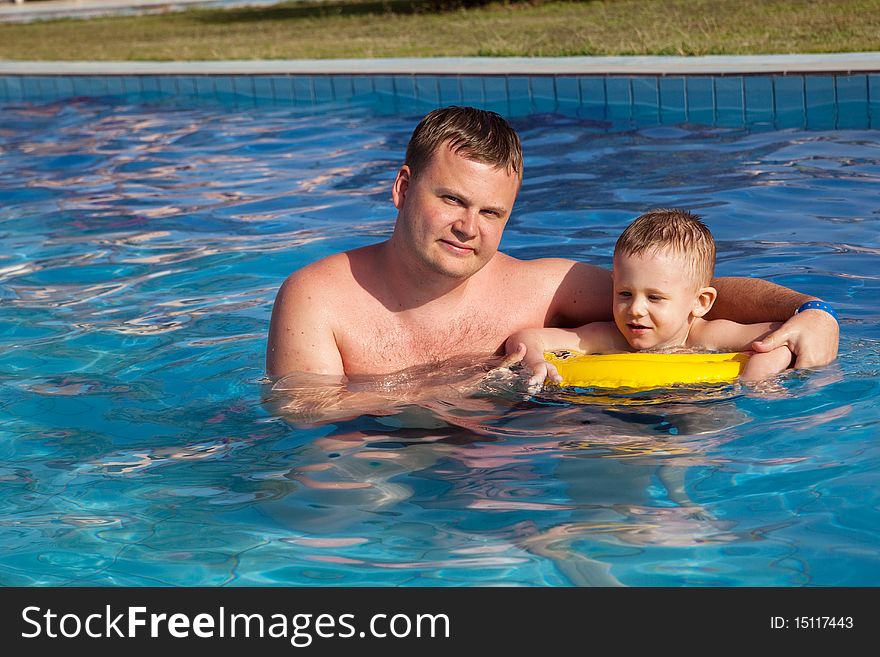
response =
{"points": [[812, 336]]}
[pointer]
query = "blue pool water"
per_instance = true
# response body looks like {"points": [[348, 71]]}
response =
{"points": [[142, 245]]}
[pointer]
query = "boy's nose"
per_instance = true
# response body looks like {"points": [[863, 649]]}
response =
{"points": [[637, 308]]}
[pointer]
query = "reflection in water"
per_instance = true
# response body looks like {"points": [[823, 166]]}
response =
{"points": [[549, 478], [143, 243]]}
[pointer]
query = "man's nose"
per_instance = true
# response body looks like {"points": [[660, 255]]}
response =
{"points": [[465, 227]]}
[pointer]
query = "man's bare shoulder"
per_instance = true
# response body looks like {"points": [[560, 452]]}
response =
{"points": [[538, 267], [312, 275], [327, 279], [307, 312], [575, 292], [552, 271]]}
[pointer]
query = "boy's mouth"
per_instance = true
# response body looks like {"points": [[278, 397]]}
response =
{"points": [[637, 328]]}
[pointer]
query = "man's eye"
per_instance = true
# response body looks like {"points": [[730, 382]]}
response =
{"points": [[452, 199]]}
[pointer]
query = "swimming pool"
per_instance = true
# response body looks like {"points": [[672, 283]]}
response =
{"points": [[143, 242]]}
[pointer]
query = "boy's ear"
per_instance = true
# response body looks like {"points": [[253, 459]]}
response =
{"points": [[401, 185], [703, 303]]}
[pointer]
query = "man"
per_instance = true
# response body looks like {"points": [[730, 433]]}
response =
{"points": [[439, 288]]}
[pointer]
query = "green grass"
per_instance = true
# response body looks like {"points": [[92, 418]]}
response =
{"points": [[409, 28]]}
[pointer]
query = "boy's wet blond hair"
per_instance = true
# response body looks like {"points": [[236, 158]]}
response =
{"points": [[475, 134], [676, 231]]}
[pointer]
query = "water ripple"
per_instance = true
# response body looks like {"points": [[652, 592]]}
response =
{"points": [[143, 245]]}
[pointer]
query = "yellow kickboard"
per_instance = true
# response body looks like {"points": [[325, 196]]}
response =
{"points": [[645, 370]]}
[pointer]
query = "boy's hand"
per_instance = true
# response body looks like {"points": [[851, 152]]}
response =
{"points": [[540, 369], [812, 336], [514, 357]]}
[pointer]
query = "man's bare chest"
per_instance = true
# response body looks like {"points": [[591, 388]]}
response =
{"points": [[389, 342]]}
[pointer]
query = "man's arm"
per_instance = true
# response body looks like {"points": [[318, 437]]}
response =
{"points": [[811, 335], [302, 355], [308, 399], [300, 334], [754, 300]]}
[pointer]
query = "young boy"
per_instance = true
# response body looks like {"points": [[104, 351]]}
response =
{"points": [[663, 264]]}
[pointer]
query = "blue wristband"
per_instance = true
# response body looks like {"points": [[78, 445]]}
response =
{"points": [[819, 305]]}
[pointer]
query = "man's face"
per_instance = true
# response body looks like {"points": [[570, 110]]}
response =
{"points": [[654, 296], [452, 214]]}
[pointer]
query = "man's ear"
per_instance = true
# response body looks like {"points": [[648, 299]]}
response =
{"points": [[703, 303], [401, 186]]}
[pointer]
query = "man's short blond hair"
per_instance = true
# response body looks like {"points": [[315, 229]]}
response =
{"points": [[475, 134], [677, 231]]}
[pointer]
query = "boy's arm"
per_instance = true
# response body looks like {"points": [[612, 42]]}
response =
{"points": [[537, 341], [529, 345], [724, 335], [584, 295], [811, 335], [763, 366]]}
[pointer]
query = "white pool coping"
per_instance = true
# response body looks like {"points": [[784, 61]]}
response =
{"points": [[840, 63], [27, 12]]}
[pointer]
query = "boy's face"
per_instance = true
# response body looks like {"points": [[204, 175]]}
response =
{"points": [[655, 299]]}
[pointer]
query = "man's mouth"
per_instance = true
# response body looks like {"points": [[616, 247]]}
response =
{"points": [[455, 247]]}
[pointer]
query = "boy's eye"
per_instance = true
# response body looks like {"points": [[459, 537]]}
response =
{"points": [[655, 297], [625, 294]]}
